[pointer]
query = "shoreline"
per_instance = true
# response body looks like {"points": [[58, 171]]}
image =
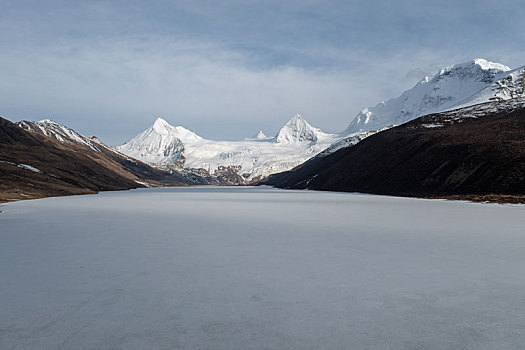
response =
{"points": [[473, 198]]}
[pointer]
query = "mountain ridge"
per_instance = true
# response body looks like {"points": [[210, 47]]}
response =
{"points": [[176, 149], [460, 85]]}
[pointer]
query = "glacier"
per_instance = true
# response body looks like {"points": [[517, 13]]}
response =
{"points": [[167, 146]]}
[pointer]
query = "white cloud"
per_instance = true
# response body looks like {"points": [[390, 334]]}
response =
{"points": [[114, 88], [192, 84]]}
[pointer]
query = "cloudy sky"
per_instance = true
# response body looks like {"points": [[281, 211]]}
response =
{"points": [[226, 69]]}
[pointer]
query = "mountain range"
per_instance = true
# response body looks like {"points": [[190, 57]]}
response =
{"points": [[469, 83], [176, 155], [174, 147]]}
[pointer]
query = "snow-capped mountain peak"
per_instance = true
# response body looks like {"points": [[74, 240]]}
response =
{"points": [[48, 121], [244, 161], [161, 126], [160, 144], [459, 85], [260, 135], [487, 65], [297, 130], [477, 69]]}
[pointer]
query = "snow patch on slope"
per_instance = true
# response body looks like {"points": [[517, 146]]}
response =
{"points": [[29, 167]]}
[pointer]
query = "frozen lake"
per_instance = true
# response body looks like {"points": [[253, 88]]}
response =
{"points": [[254, 268]]}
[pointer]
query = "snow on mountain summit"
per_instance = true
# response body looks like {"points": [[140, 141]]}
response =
{"points": [[298, 130], [459, 85], [260, 135], [484, 64], [161, 126], [160, 144], [48, 121]]}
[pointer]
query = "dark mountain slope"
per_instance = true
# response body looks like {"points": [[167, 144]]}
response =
{"points": [[33, 165], [466, 153]]}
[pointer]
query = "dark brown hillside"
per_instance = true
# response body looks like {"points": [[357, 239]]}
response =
{"points": [[64, 168], [467, 153]]}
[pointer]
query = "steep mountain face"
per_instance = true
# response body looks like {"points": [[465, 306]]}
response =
{"points": [[470, 152], [460, 85], [236, 162]]}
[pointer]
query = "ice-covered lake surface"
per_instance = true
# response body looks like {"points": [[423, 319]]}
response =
{"points": [[254, 268]]}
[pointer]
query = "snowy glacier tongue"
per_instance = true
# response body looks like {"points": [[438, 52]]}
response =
{"points": [[257, 268]]}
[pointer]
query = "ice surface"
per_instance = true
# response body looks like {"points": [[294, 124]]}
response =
{"points": [[255, 268]]}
